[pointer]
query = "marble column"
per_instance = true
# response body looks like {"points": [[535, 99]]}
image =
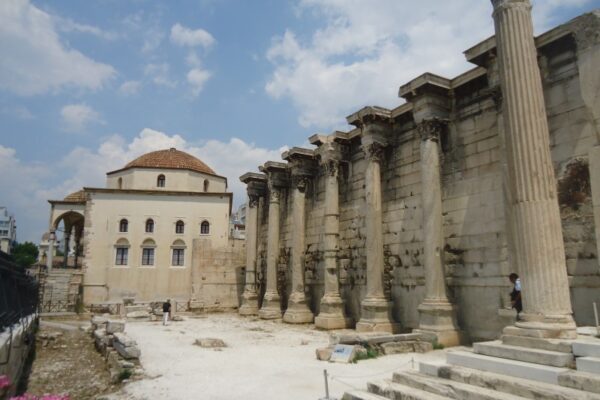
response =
{"points": [[537, 234], [436, 313], [255, 186], [271, 305], [67, 239], [376, 308], [50, 257], [298, 311], [331, 313]]}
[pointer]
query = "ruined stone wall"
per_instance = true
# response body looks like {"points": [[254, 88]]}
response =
{"points": [[217, 275], [476, 232]]}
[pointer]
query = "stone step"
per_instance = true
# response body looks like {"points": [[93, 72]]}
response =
{"points": [[586, 348], [562, 346], [588, 364], [450, 389], [519, 369], [516, 386], [580, 380], [397, 391], [545, 357], [361, 395]]}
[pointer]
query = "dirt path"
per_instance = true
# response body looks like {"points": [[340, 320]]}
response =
{"points": [[67, 363]]}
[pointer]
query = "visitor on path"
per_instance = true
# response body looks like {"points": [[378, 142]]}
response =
{"points": [[515, 295], [166, 311]]}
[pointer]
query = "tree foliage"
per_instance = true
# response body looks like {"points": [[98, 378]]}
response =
{"points": [[25, 254]]}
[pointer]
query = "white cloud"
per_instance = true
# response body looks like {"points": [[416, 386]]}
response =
{"points": [[68, 25], [197, 77], [365, 50], [182, 36], [35, 60], [76, 117], [159, 74], [129, 88], [32, 184], [19, 112]]}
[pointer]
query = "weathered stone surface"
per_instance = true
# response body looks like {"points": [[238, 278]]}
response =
{"points": [[138, 315], [537, 356], [210, 343], [580, 380], [113, 326], [406, 347], [127, 352], [324, 354], [125, 340]]}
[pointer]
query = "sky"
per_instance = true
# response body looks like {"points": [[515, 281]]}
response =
{"points": [[86, 86]]}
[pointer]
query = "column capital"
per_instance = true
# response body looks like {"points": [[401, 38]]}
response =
{"points": [[374, 151], [302, 165], [256, 186], [431, 129], [501, 5]]}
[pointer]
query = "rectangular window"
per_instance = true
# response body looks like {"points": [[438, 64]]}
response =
{"points": [[178, 255], [122, 253], [148, 256]]}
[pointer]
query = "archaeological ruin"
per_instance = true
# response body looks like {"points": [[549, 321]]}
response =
{"points": [[415, 217]]}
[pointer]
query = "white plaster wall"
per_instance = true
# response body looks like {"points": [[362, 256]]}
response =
{"points": [[179, 180]]}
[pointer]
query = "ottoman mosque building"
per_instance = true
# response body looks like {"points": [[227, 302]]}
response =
{"points": [[136, 236]]}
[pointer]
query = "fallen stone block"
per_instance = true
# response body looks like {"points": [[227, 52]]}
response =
{"points": [[138, 315], [99, 322], [113, 326], [127, 352], [210, 343], [397, 348], [124, 339], [324, 354], [177, 318]]}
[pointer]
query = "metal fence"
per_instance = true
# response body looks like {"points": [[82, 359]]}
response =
{"points": [[18, 293]]}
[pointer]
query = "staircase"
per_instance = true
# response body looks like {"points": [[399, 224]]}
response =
{"points": [[59, 290], [509, 369]]}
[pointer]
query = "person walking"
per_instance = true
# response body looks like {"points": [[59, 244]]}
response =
{"points": [[166, 311], [515, 295]]}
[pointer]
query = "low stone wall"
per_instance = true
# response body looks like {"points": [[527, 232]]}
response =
{"points": [[119, 350], [16, 343]]}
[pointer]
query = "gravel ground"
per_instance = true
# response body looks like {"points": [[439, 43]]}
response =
{"points": [[263, 360]]}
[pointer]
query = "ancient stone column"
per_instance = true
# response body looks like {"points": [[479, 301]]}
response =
{"points": [[437, 314], [271, 305], [331, 309], [50, 257], [255, 186], [537, 234], [302, 167], [67, 239], [376, 307]]}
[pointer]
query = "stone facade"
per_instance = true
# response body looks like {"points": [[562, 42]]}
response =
{"points": [[426, 221]]}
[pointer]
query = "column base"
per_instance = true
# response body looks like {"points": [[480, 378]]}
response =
{"points": [[271, 307], [331, 315], [298, 311], [544, 327], [249, 303], [377, 316], [439, 318]]}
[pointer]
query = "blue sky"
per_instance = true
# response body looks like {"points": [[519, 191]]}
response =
{"points": [[85, 86]]}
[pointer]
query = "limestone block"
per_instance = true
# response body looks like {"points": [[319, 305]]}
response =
{"points": [[138, 315], [587, 348], [210, 343], [124, 339], [538, 356], [580, 381], [588, 364], [127, 352], [324, 354], [113, 326]]}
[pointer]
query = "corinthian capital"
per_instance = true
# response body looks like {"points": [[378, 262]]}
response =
{"points": [[331, 167], [500, 5], [374, 151], [253, 201], [431, 129], [300, 182]]}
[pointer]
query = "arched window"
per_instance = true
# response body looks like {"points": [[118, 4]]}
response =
{"points": [[206, 184], [121, 252], [120, 183], [179, 226], [178, 253], [204, 228], [149, 225], [123, 225], [148, 252], [160, 181]]}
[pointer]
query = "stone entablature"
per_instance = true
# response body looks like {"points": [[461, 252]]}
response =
{"points": [[406, 215]]}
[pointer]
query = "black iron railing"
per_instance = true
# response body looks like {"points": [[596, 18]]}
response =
{"points": [[18, 293]]}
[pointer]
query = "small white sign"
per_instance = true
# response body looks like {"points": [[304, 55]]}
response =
{"points": [[342, 353]]}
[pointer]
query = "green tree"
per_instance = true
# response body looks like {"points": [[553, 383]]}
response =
{"points": [[25, 254]]}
